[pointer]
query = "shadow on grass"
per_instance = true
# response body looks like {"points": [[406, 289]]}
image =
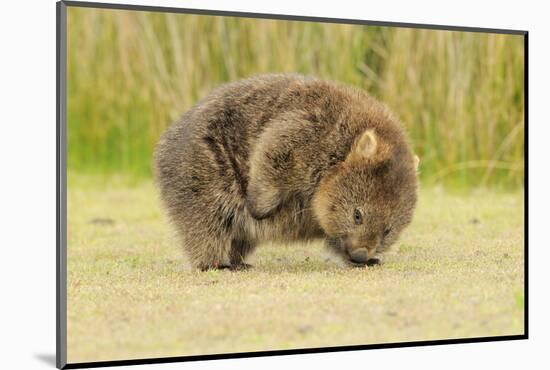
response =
{"points": [[301, 267]]}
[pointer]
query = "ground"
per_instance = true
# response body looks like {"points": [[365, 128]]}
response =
{"points": [[456, 272]]}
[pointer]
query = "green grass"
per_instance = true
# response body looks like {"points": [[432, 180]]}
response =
{"points": [[130, 74], [457, 272]]}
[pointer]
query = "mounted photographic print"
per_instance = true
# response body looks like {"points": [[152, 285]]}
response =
{"points": [[235, 184]]}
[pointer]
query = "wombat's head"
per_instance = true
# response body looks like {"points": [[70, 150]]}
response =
{"points": [[367, 200]]}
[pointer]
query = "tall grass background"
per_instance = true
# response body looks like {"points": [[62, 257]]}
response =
{"points": [[130, 74]]}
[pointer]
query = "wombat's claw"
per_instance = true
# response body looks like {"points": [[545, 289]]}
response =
{"points": [[373, 262], [370, 262], [214, 267], [240, 267], [235, 267]]}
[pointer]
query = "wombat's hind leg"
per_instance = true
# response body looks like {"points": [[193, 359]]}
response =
{"points": [[206, 253], [237, 255]]}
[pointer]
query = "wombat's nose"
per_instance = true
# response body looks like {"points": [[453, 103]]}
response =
{"points": [[359, 255]]}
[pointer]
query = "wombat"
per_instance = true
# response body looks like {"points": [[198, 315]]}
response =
{"points": [[285, 157]]}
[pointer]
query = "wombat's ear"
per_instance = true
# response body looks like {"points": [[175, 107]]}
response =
{"points": [[369, 147], [416, 162], [367, 144]]}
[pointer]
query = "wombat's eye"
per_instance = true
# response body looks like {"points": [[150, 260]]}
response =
{"points": [[358, 216], [386, 232]]}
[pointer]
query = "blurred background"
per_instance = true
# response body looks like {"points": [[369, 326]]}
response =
{"points": [[130, 74]]}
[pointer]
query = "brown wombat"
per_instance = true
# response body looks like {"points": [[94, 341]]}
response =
{"points": [[286, 157]]}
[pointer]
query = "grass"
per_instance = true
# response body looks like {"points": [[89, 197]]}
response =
{"points": [[130, 74], [457, 272]]}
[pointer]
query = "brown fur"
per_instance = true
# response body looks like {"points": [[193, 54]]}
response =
{"points": [[285, 157]]}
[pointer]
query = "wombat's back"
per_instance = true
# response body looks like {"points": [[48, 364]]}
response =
{"points": [[215, 138], [202, 164]]}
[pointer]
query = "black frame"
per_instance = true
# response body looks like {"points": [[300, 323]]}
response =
{"points": [[61, 186]]}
